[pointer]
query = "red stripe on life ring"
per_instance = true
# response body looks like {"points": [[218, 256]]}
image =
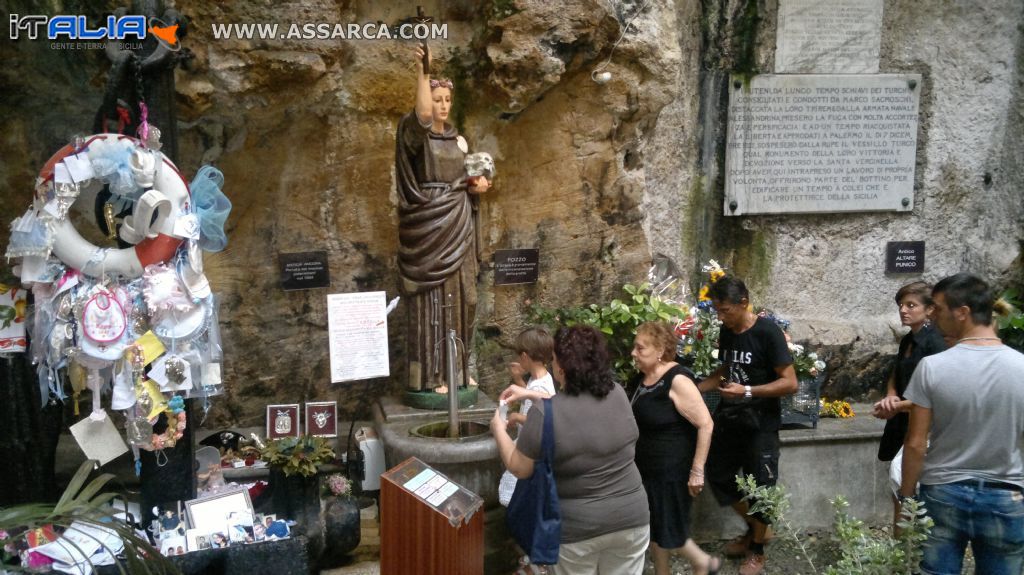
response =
{"points": [[156, 250]]}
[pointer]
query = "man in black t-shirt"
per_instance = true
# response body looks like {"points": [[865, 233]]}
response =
{"points": [[756, 371]]}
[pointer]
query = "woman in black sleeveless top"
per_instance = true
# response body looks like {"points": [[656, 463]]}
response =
{"points": [[675, 434], [915, 305]]}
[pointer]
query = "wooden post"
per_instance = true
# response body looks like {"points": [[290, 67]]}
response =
{"points": [[423, 530]]}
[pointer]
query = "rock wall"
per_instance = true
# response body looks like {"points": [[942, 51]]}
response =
{"points": [[598, 177]]}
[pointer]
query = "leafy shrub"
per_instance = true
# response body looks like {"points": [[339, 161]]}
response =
{"points": [[861, 550], [618, 320], [1011, 326]]}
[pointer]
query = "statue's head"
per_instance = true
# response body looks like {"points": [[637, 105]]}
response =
{"points": [[441, 96]]}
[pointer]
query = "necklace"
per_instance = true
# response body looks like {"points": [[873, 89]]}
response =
{"points": [[977, 339]]}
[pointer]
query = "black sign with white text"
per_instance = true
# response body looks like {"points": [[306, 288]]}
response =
{"points": [[904, 257], [304, 270], [516, 266]]}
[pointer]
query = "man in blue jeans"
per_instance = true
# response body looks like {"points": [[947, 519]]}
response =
{"points": [[971, 398]]}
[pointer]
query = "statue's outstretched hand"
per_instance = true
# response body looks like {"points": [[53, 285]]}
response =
{"points": [[479, 184]]}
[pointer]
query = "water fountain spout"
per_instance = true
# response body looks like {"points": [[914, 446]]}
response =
{"points": [[453, 386]]}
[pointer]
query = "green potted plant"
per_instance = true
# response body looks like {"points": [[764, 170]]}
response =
{"points": [[297, 455]]}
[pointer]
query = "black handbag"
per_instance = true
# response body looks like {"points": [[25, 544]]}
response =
{"points": [[738, 417], [892, 436], [533, 515]]}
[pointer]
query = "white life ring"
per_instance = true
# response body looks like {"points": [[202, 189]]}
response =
{"points": [[161, 204]]}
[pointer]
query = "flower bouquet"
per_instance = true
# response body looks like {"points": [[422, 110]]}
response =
{"points": [[337, 485], [800, 410], [698, 340], [340, 517], [836, 408], [698, 331], [806, 363]]}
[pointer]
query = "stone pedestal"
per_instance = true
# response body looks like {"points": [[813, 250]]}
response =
{"points": [[297, 497], [341, 523]]}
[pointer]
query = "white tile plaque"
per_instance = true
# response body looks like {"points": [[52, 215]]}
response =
{"points": [[821, 144], [833, 37]]}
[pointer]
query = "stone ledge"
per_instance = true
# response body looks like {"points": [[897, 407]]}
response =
{"points": [[861, 427]]}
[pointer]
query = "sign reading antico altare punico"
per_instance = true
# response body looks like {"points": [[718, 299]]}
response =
{"points": [[821, 143]]}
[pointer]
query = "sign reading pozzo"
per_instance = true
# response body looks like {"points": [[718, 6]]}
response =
{"points": [[821, 143]]}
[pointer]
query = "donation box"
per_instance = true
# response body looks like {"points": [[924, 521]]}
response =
{"points": [[429, 525]]}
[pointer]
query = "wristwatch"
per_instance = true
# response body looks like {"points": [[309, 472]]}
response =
{"points": [[746, 392]]}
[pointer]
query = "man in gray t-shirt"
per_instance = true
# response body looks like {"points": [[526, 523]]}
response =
{"points": [[970, 398]]}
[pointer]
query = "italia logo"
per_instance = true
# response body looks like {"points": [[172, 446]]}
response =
{"points": [[77, 27], [166, 35]]}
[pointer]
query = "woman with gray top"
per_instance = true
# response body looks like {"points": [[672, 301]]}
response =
{"points": [[605, 518]]}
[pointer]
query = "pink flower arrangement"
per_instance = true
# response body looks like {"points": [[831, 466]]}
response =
{"points": [[338, 485]]}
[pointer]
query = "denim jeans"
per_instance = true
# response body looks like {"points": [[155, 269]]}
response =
{"points": [[990, 518]]}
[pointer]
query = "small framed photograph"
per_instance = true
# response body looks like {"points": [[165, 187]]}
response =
{"points": [[173, 546], [240, 527], [259, 529], [274, 528], [283, 421], [197, 540], [211, 514], [169, 522], [218, 539], [322, 418]]}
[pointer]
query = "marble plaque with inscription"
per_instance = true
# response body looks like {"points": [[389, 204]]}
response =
{"points": [[821, 143], [834, 37]]}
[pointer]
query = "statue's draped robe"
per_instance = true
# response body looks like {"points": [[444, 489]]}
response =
{"points": [[437, 254]]}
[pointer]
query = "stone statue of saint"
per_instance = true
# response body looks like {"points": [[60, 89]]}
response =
{"points": [[437, 254]]}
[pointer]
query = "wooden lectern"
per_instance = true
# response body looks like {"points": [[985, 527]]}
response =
{"points": [[429, 525]]}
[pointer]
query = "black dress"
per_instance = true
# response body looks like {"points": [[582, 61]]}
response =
{"points": [[925, 342], [664, 454]]}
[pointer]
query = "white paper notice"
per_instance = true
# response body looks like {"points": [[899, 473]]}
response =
{"points": [[61, 174], [79, 167], [358, 336], [99, 440]]}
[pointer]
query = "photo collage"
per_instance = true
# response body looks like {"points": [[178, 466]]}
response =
{"points": [[218, 521]]}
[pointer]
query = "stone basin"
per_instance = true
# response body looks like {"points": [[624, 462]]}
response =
{"points": [[468, 430], [470, 460]]}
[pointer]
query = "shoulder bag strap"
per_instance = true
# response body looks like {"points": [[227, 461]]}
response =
{"points": [[548, 439]]}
